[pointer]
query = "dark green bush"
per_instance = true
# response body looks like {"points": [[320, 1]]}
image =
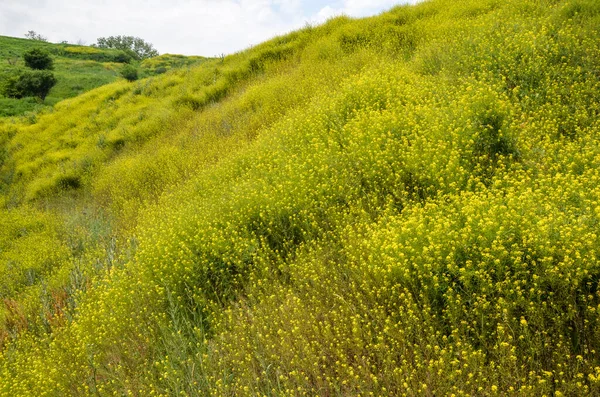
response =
{"points": [[130, 73], [38, 59], [122, 57], [29, 83]]}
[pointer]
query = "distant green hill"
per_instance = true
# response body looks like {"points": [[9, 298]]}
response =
{"points": [[78, 69], [402, 205]]}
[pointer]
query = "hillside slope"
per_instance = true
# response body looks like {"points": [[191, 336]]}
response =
{"points": [[77, 68], [400, 205]]}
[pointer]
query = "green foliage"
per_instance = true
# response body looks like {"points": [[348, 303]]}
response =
{"points": [[135, 46], [74, 76], [77, 69], [16, 107], [12, 89], [30, 83], [402, 205], [129, 72], [38, 59]]}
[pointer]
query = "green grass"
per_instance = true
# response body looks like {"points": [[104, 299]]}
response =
{"points": [[74, 75], [78, 69], [164, 63], [400, 205]]}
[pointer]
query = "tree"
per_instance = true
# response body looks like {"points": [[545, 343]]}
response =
{"points": [[135, 46], [129, 72], [30, 83], [32, 35], [38, 59]]}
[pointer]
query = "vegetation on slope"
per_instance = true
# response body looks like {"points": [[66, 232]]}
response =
{"points": [[400, 205], [78, 69]]}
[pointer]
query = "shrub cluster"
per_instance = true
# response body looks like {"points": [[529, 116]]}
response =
{"points": [[38, 59], [35, 82], [29, 83], [129, 73]]}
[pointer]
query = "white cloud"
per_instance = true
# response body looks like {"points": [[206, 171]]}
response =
{"points": [[359, 8], [199, 27], [362, 7], [356, 8], [326, 13]]}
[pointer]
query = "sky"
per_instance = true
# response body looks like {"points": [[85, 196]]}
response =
{"points": [[189, 27]]}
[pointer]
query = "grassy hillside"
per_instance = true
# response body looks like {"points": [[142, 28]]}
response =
{"points": [[78, 69], [400, 205]]}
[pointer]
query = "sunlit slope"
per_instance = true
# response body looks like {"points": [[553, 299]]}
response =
{"points": [[402, 205], [58, 149]]}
